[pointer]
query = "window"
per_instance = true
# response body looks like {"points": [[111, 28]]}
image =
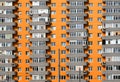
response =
{"points": [[52, 60], [63, 12], [89, 51], [19, 69], [99, 27], [19, 4], [63, 51], [27, 21], [90, 34], [99, 4], [90, 68], [90, 19], [53, 12], [52, 77], [63, 27], [99, 19], [99, 35], [99, 51], [63, 77], [53, 19], [90, 59], [99, 11], [63, 4], [19, 78], [19, 28], [99, 77], [63, 35], [63, 19], [27, 78], [19, 44], [52, 51], [52, 68], [99, 60], [90, 43], [63, 43], [53, 4], [90, 77], [53, 27], [63, 69], [90, 4], [53, 44], [19, 20], [27, 13], [27, 69], [90, 11], [27, 45], [90, 27], [53, 36], [27, 5], [99, 68], [99, 43], [63, 60], [19, 53], [27, 29], [27, 61]]}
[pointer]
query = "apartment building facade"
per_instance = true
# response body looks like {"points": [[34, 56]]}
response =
{"points": [[59, 40]]}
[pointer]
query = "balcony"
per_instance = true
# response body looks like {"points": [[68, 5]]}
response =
{"points": [[77, 7], [37, 56], [77, 80], [77, 72], [76, 22], [76, 63], [37, 80], [39, 0], [105, 7], [8, 15], [76, 14], [42, 64], [77, 0], [110, 54], [8, 0], [8, 56], [111, 45], [39, 7], [8, 65], [40, 72], [39, 39], [8, 40], [110, 14], [39, 47], [113, 63], [77, 38], [76, 46], [106, 72], [40, 31], [8, 48], [8, 80], [76, 30], [110, 21], [114, 80], [8, 7], [77, 55], [8, 32], [7, 73], [111, 37], [8, 23]]}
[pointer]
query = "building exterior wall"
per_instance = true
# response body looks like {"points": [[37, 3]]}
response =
{"points": [[59, 40]]}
